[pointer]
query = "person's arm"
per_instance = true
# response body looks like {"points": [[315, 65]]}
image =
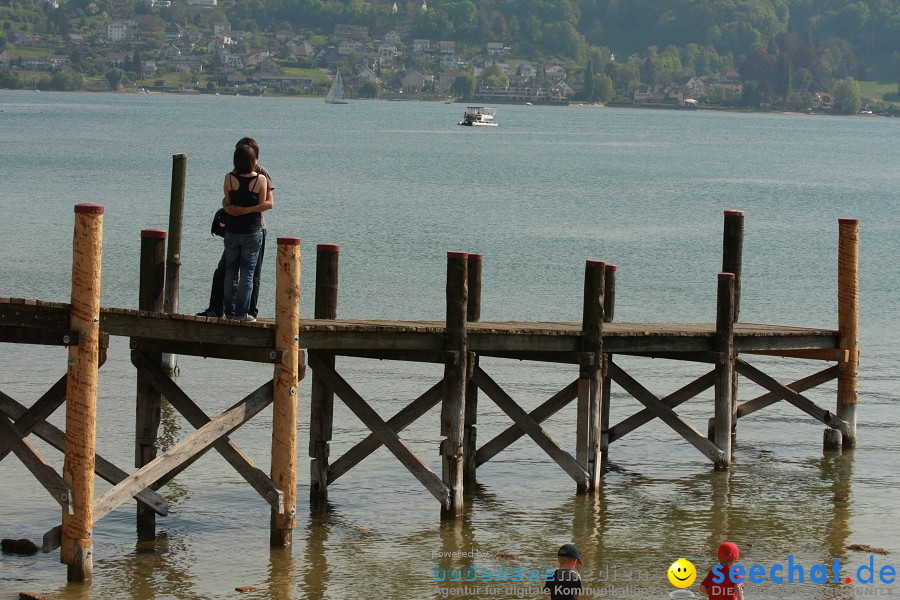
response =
{"points": [[703, 590]]}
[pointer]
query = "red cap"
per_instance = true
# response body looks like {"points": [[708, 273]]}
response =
{"points": [[463, 255], [288, 241], [153, 233], [90, 209], [848, 221], [610, 267], [596, 263], [734, 213], [726, 276], [729, 550], [476, 257], [328, 248]]}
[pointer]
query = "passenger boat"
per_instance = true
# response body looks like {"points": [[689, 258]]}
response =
{"points": [[480, 116]]}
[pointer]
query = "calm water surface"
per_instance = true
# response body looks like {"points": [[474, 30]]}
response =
{"points": [[398, 185]]}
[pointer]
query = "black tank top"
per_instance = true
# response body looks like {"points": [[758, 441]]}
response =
{"points": [[251, 222]]}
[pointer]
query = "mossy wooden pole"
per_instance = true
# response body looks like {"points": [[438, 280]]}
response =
{"points": [[173, 252], [286, 392], [149, 400], [725, 366], [848, 332], [454, 397], [473, 315], [81, 392], [732, 262], [609, 308], [587, 423], [321, 397]]}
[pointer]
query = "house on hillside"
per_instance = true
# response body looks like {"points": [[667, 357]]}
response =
{"points": [[494, 48], [392, 38], [445, 81], [447, 47], [659, 94], [415, 81], [366, 74], [421, 45], [302, 48]]}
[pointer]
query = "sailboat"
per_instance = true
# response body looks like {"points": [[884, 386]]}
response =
{"points": [[336, 93]]}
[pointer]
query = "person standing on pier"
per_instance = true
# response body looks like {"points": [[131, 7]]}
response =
{"points": [[246, 197], [216, 306]]}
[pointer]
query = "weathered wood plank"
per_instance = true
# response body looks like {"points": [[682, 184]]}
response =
{"points": [[34, 462], [19, 334], [511, 434], [668, 416], [453, 398], [834, 354], [398, 447], [193, 414], [105, 469], [795, 398], [724, 386], [39, 411], [801, 385], [673, 400], [207, 350], [397, 423], [531, 427], [702, 357]]}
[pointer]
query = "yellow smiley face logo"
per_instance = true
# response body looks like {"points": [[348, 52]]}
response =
{"points": [[682, 573]]}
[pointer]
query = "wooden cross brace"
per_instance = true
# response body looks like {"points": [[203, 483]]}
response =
{"points": [[384, 432], [532, 427]]}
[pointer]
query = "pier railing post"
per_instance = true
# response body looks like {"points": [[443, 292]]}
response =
{"points": [[587, 426], [473, 315], [725, 366], [81, 392], [322, 398], [848, 332], [732, 262], [286, 392], [173, 256], [609, 307], [453, 401], [149, 400]]}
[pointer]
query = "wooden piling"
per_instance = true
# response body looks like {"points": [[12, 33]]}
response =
{"points": [[587, 426], [732, 262], [848, 331], [321, 397], [473, 315], [173, 255], [724, 366], [286, 392], [81, 392], [148, 405], [609, 307], [453, 402]]}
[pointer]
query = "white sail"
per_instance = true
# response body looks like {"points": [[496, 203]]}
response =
{"points": [[336, 93]]}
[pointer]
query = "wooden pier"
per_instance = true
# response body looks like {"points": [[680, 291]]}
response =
{"points": [[726, 344]]}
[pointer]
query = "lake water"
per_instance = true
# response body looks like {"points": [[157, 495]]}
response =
{"points": [[398, 184]]}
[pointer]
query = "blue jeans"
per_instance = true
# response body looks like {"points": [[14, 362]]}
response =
{"points": [[241, 254]]}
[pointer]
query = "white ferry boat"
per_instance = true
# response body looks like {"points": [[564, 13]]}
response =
{"points": [[479, 116]]}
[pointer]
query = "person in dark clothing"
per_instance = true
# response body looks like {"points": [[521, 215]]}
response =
{"points": [[216, 307], [566, 581]]}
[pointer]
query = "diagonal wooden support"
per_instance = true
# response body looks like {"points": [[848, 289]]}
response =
{"points": [[504, 439], [676, 398], [105, 469], [40, 410], [194, 415], [795, 398], [197, 443], [669, 417], [388, 436], [801, 385], [531, 427], [397, 423], [31, 458]]}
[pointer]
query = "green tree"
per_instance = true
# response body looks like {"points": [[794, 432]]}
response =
{"points": [[589, 92], [604, 88], [783, 78], [463, 87], [114, 77], [370, 89], [846, 96]]}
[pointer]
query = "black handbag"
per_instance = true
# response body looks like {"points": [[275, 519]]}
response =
{"points": [[218, 224]]}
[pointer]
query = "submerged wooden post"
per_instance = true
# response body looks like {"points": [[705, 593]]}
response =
{"points": [[286, 393], [732, 262], [173, 256], [81, 392], [609, 308], [149, 400], [473, 315], [453, 401], [321, 397], [587, 426], [848, 332], [725, 365]]}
